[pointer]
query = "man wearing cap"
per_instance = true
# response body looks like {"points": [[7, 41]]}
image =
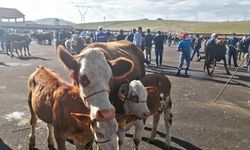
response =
{"points": [[184, 46], [231, 43]]}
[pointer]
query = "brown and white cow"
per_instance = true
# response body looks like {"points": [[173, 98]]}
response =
{"points": [[99, 70], [158, 101], [136, 109], [59, 105]]}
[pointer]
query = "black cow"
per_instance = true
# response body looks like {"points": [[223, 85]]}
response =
{"points": [[43, 37], [214, 53]]}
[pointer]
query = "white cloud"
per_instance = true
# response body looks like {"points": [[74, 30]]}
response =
{"points": [[212, 10]]}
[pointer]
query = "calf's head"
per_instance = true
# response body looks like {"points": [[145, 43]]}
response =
{"points": [[135, 96]]}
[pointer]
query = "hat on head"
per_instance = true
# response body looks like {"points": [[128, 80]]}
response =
{"points": [[184, 34]]}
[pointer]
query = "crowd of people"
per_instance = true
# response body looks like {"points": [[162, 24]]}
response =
{"points": [[188, 45]]}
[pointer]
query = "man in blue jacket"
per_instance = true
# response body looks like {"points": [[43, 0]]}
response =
{"points": [[148, 44], [231, 43], [159, 42], [101, 36], [184, 46], [197, 46]]}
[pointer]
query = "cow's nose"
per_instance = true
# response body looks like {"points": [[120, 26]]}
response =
{"points": [[146, 114], [106, 114]]}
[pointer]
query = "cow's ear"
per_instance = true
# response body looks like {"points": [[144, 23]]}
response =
{"points": [[121, 67], [152, 91], [66, 58], [81, 119], [123, 91]]}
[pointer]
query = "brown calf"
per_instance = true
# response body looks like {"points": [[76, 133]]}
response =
{"points": [[57, 103], [158, 101]]}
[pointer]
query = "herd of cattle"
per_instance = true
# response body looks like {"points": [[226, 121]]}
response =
{"points": [[109, 94], [19, 42]]}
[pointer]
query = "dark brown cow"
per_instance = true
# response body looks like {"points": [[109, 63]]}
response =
{"points": [[57, 103], [158, 101], [214, 53]]}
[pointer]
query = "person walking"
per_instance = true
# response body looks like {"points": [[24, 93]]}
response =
{"points": [[158, 42], [120, 36], [100, 35], [148, 44], [130, 37], [231, 43], [184, 46], [137, 38], [197, 46]]}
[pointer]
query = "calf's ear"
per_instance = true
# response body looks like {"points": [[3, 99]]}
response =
{"points": [[121, 67], [123, 91], [81, 119], [152, 91], [67, 59]]}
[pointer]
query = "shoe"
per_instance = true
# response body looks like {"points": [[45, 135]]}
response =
{"points": [[187, 75], [178, 73], [235, 65]]}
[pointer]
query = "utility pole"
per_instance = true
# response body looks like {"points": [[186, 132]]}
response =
{"points": [[196, 18], [82, 9], [227, 17], [245, 15]]}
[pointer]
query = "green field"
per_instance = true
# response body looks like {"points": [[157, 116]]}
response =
{"points": [[240, 27]]}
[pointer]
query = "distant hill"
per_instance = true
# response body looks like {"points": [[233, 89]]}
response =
{"points": [[53, 21], [240, 27]]}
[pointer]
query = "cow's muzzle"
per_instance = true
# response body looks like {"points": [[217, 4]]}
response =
{"points": [[105, 114]]}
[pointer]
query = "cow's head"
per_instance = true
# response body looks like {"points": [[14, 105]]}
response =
{"points": [[92, 72], [135, 96], [104, 133]]}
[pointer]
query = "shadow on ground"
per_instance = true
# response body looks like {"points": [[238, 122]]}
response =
{"points": [[4, 146], [186, 145], [33, 57], [3, 64], [171, 71]]}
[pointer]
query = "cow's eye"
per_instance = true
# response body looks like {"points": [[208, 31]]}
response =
{"points": [[84, 81], [135, 98]]}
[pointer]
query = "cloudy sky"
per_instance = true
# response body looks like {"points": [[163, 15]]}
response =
{"points": [[203, 10]]}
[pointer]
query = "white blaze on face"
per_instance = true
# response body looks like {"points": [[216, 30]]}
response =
{"points": [[137, 100], [95, 69], [105, 134]]}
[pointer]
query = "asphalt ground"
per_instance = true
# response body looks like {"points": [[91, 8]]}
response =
{"points": [[198, 122]]}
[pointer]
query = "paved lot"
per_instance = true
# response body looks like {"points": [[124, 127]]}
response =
{"points": [[198, 122]]}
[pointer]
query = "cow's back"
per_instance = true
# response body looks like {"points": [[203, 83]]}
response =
{"points": [[217, 52], [42, 85], [127, 49], [160, 82]]}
